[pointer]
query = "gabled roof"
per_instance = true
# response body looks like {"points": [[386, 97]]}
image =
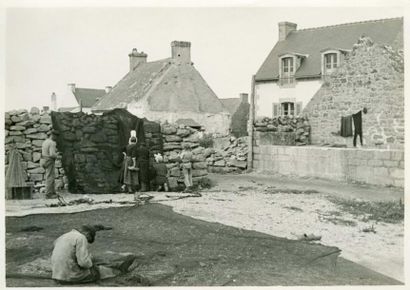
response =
{"points": [[312, 41], [88, 97], [231, 104], [165, 85]]}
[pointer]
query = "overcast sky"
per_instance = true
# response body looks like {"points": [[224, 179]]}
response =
{"points": [[46, 48]]}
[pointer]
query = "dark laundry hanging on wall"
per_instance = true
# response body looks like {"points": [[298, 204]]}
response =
{"points": [[346, 129], [357, 120]]}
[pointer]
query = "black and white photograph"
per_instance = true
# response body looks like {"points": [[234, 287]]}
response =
{"points": [[204, 143]]}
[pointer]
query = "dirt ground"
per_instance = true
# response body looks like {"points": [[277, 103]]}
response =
{"points": [[177, 250]]}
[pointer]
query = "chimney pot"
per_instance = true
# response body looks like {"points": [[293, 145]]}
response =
{"points": [[137, 58], [53, 101], [285, 28], [71, 87], [243, 97], [108, 89]]}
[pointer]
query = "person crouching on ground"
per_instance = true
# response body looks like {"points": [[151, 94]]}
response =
{"points": [[186, 158], [72, 263], [130, 166], [161, 172]]}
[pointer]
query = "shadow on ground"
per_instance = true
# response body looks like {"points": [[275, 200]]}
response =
{"points": [[176, 250]]}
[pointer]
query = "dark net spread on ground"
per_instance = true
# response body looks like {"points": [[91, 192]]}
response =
{"points": [[92, 145], [176, 250]]}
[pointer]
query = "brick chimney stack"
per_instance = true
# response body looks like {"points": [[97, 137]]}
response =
{"points": [[244, 98], [285, 28], [137, 58], [71, 87], [181, 51]]}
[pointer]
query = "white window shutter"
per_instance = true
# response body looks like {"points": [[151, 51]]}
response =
{"points": [[276, 110], [298, 108]]}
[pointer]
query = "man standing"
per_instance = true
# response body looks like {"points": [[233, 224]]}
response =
{"points": [[49, 155]]}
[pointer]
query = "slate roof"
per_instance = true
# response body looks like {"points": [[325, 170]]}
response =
{"points": [[312, 41], [166, 86], [231, 104], [88, 97]]}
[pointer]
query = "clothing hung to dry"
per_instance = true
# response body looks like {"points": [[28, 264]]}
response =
{"points": [[357, 120], [346, 128]]}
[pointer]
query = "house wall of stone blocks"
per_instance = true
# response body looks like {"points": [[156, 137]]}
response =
{"points": [[371, 166], [371, 76]]}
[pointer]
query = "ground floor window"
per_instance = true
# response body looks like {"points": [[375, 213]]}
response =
{"points": [[288, 109]]}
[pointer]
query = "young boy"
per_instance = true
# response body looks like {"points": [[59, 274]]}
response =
{"points": [[161, 180]]}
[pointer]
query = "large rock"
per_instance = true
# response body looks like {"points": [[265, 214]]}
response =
{"points": [[182, 132], [220, 163], [191, 144], [172, 138], [198, 150], [17, 128], [23, 145], [199, 165], [15, 133], [175, 172], [168, 129], [208, 152], [36, 177], [37, 170], [236, 163], [44, 128], [172, 146], [27, 156], [36, 156], [192, 138], [173, 157], [16, 119], [34, 111], [37, 143], [198, 158], [31, 165], [30, 131], [45, 119], [38, 136], [199, 172]]}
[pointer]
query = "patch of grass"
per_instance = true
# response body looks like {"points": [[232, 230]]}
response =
{"points": [[383, 211], [339, 221], [294, 208], [246, 188]]}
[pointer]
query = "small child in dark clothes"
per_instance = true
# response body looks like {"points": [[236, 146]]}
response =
{"points": [[161, 180]]}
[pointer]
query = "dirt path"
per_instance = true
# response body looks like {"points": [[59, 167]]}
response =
{"points": [[240, 201]]}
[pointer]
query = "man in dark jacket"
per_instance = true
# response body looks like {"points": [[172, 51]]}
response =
{"points": [[142, 158]]}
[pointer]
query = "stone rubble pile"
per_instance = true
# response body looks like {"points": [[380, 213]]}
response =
{"points": [[298, 127], [27, 131], [231, 158]]}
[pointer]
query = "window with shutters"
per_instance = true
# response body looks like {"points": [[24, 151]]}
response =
{"points": [[287, 109], [287, 71]]}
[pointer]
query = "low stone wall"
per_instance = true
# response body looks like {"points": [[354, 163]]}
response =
{"points": [[229, 158], [27, 131], [372, 166], [284, 130]]}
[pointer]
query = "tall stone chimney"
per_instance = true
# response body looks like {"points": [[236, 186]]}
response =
{"points": [[71, 87], [243, 97], [53, 102], [181, 51], [285, 28], [137, 58]]}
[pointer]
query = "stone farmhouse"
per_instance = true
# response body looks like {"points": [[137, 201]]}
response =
{"points": [[84, 97], [167, 90], [302, 60]]}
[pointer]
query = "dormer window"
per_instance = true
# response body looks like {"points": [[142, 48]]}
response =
{"points": [[330, 61], [288, 65]]}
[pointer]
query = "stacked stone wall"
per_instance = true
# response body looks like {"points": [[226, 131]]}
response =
{"points": [[371, 76], [27, 131]]}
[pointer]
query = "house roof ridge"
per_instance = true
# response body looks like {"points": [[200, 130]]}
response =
{"points": [[349, 23]]}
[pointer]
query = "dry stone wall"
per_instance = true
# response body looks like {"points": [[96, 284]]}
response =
{"points": [[283, 130], [371, 76], [27, 130]]}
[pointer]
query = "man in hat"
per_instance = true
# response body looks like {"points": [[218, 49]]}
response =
{"points": [[72, 263], [49, 155]]}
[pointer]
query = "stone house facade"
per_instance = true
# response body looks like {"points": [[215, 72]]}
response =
{"points": [[303, 59], [167, 90], [371, 76]]}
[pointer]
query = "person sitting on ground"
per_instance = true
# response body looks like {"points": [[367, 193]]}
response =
{"points": [[72, 263], [186, 157], [161, 172]]}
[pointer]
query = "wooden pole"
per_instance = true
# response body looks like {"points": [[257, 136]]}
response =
{"points": [[250, 125]]}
